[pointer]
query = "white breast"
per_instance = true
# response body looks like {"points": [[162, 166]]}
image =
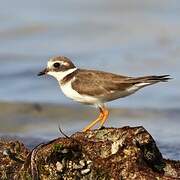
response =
{"points": [[71, 93]]}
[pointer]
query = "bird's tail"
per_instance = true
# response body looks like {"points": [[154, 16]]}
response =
{"points": [[149, 80], [154, 79]]}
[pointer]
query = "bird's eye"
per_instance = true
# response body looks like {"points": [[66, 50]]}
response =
{"points": [[56, 65]]}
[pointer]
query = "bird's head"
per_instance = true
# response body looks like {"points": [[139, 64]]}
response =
{"points": [[58, 67]]}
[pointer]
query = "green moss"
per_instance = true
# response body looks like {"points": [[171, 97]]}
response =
{"points": [[57, 147]]}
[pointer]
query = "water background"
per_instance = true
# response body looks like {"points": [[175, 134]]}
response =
{"points": [[133, 38]]}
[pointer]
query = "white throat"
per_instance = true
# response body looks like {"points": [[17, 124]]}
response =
{"points": [[60, 75]]}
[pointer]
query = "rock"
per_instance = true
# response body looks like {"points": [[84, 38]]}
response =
{"points": [[59, 167], [110, 153]]}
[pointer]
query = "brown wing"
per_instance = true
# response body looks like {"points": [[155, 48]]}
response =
{"points": [[98, 83]]}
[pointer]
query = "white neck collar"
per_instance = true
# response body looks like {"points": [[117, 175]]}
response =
{"points": [[61, 75]]}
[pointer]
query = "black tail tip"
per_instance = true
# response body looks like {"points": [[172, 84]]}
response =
{"points": [[164, 78]]}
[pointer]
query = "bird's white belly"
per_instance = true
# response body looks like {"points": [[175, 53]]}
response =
{"points": [[72, 94]]}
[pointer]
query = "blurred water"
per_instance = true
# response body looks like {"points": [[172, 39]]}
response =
{"points": [[132, 38], [127, 37]]}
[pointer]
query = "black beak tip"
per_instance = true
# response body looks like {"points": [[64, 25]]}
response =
{"points": [[41, 73], [45, 71]]}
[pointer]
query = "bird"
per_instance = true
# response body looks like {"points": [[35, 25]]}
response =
{"points": [[95, 87]]}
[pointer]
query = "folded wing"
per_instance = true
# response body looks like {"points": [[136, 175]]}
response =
{"points": [[98, 83]]}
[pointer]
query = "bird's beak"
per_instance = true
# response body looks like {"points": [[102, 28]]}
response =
{"points": [[45, 71]]}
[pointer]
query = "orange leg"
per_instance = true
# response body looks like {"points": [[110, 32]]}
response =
{"points": [[100, 118], [105, 116]]}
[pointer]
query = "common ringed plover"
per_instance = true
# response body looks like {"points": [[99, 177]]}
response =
{"points": [[95, 87]]}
